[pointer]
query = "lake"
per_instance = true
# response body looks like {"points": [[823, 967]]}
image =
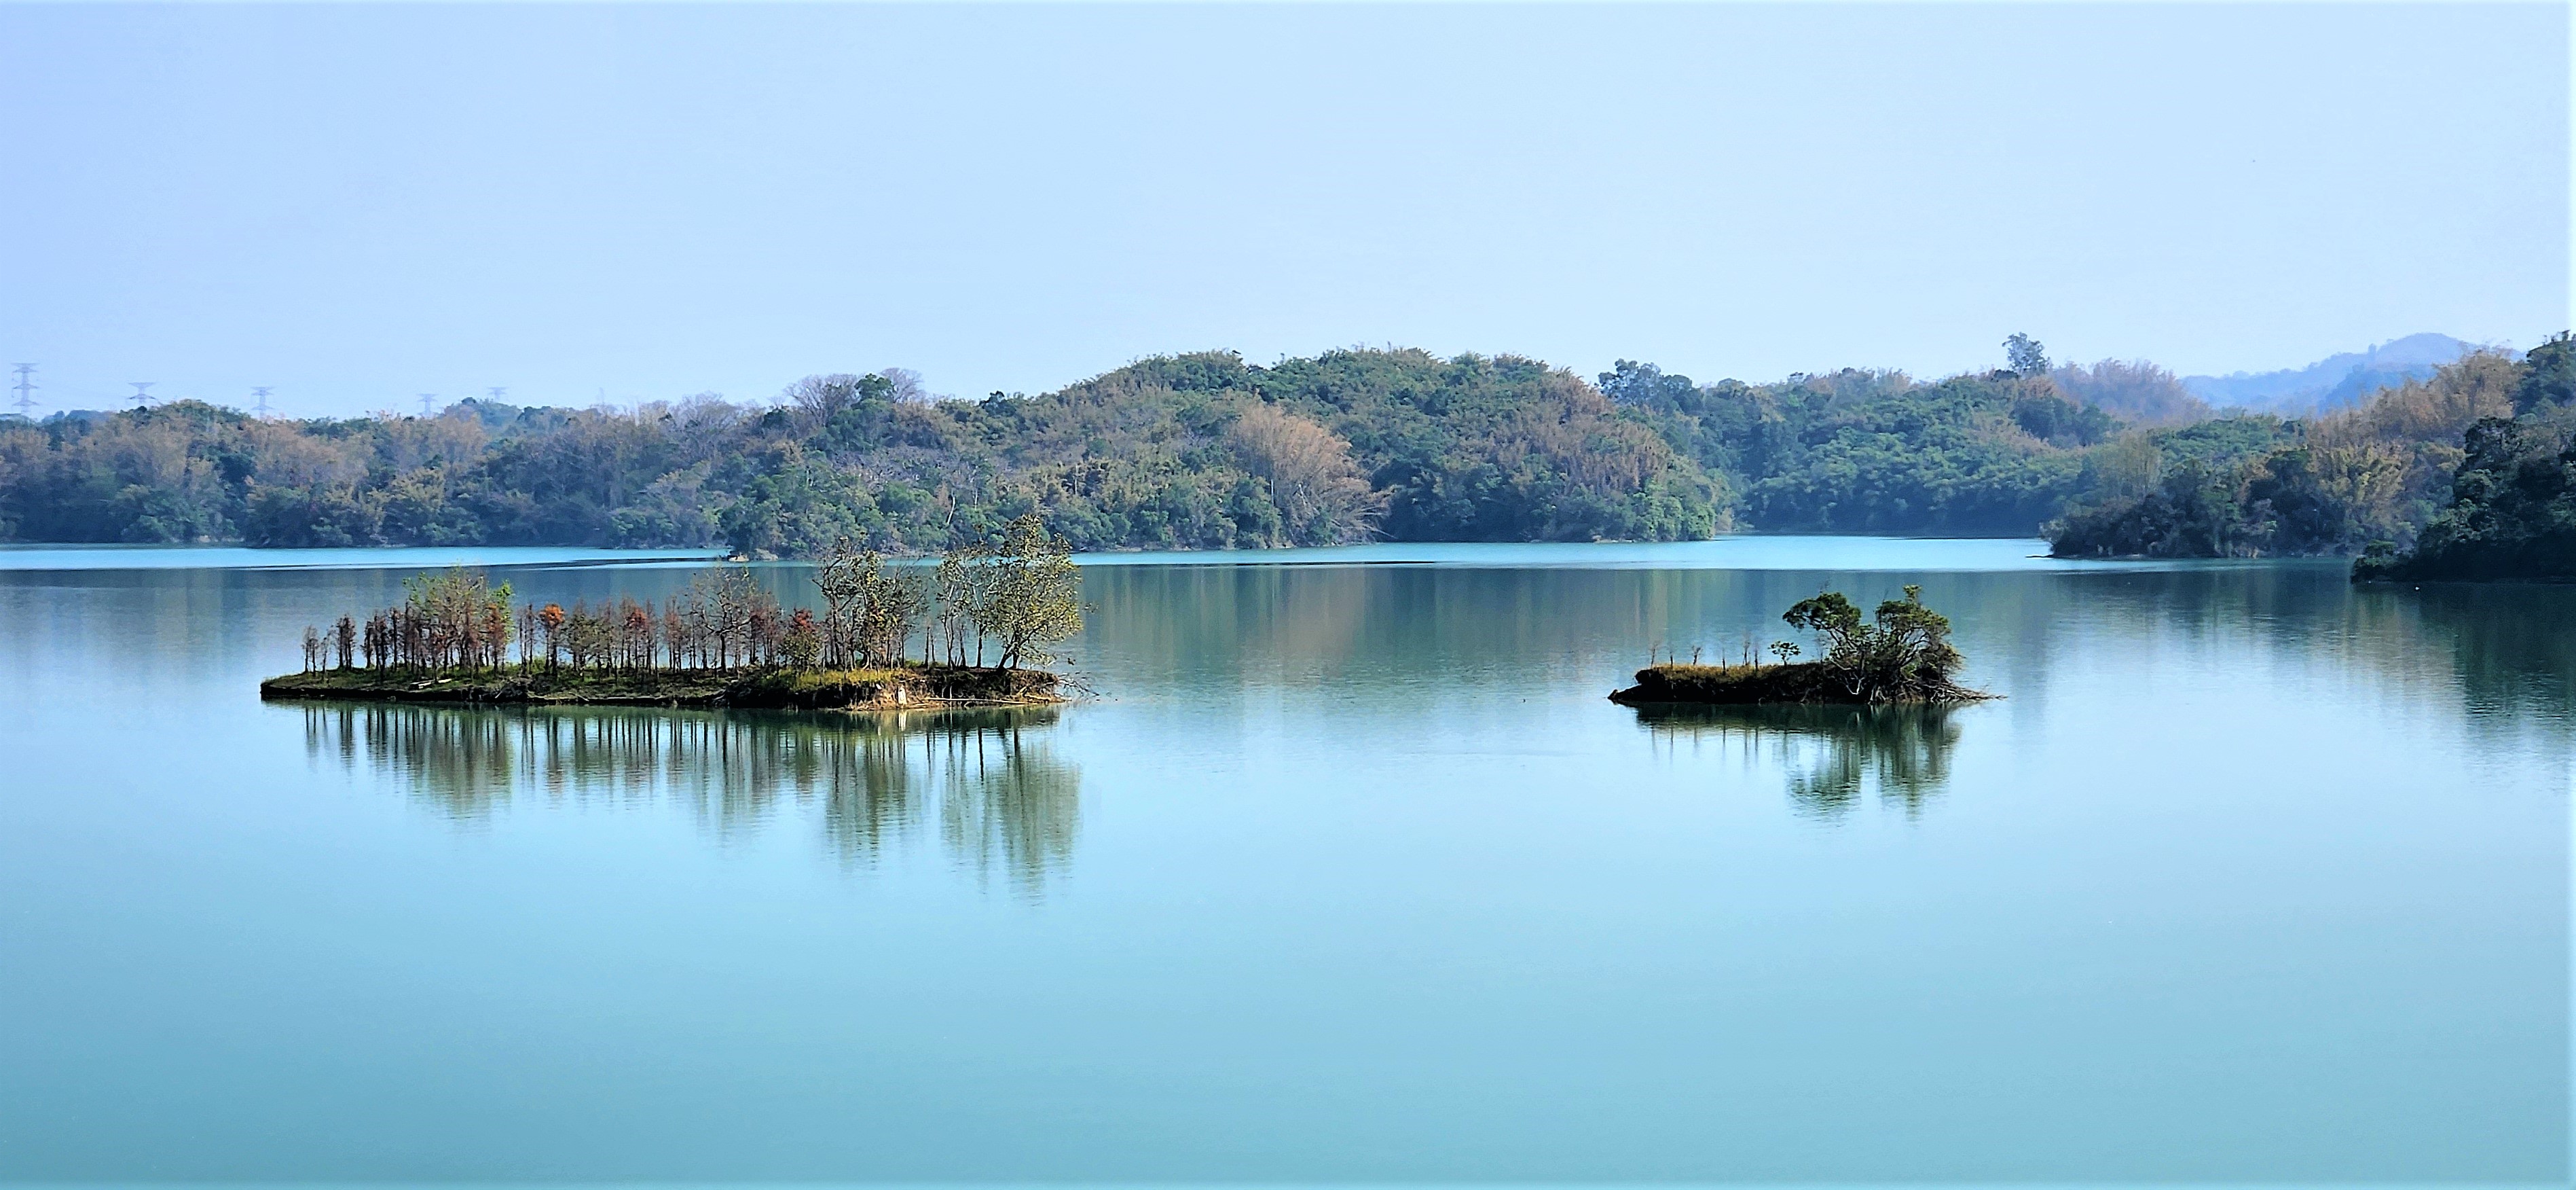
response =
{"points": [[1348, 872]]}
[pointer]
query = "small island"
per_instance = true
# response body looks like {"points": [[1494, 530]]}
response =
{"points": [[886, 639], [909, 686], [1902, 654]]}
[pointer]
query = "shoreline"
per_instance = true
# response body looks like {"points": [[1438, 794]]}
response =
{"points": [[901, 688], [1796, 683]]}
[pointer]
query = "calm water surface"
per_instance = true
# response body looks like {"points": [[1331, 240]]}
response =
{"points": [[1349, 873]]}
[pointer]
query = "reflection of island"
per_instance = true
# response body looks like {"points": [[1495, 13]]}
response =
{"points": [[1829, 752], [989, 780]]}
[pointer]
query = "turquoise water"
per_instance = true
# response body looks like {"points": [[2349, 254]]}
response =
{"points": [[1749, 552], [201, 557], [1348, 873]]}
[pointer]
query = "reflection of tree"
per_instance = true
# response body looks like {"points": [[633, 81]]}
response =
{"points": [[2499, 651], [1376, 632], [1831, 753], [1001, 796], [1007, 803], [1401, 634], [2505, 645]]}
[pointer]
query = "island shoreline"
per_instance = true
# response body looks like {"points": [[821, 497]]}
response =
{"points": [[1811, 684], [765, 688]]}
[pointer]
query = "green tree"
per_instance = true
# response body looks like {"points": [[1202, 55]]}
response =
{"points": [[2024, 356], [2548, 375], [1904, 651], [1036, 597], [2512, 513]]}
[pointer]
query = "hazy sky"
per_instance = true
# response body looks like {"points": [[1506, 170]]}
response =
{"points": [[359, 204]]}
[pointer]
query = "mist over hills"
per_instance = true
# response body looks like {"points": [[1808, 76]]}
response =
{"points": [[2336, 382]]}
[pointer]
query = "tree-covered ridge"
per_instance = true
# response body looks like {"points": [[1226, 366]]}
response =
{"points": [[2337, 484], [1208, 451], [2512, 510], [1197, 451], [1876, 452]]}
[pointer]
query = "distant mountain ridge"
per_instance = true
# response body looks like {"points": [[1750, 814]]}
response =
{"points": [[2335, 382]]}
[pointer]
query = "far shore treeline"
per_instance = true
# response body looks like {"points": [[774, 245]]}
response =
{"points": [[1208, 451]]}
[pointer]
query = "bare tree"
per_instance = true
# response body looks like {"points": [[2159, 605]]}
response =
{"points": [[894, 603], [817, 398], [675, 632], [903, 385], [957, 590], [844, 589], [728, 600], [1320, 491]]}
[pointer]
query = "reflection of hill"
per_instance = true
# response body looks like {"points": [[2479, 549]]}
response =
{"points": [[1830, 753], [2507, 645], [2498, 651], [1394, 639], [1000, 796], [1377, 631]]}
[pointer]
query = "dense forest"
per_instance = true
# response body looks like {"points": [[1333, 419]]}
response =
{"points": [[1208, 451], [1195, 451], [2373, 479], [2512, 506]]}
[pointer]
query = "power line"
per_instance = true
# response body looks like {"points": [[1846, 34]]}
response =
{"points": [[26, 385], [262, 407]]}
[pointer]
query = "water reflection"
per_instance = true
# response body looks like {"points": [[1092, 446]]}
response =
{"points": [[1830, 755], [1405, 637], [988, 782]]}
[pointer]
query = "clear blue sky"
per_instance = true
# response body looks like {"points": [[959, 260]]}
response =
{"points": [[358, 204]]}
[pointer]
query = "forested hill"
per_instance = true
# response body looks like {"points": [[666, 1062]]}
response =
{"points": [[2512, 507], [1192, 451], [2377, 477], [1188, 451]]}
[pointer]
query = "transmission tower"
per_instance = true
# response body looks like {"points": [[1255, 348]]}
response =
{"points": [[425, 399], [142, 392], [496, 392], [26, 386], [262, 407]]}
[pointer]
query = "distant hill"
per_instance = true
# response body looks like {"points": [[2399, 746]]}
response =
{"points": [[1207, 451], [2362, 480], [2335, 382]]}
